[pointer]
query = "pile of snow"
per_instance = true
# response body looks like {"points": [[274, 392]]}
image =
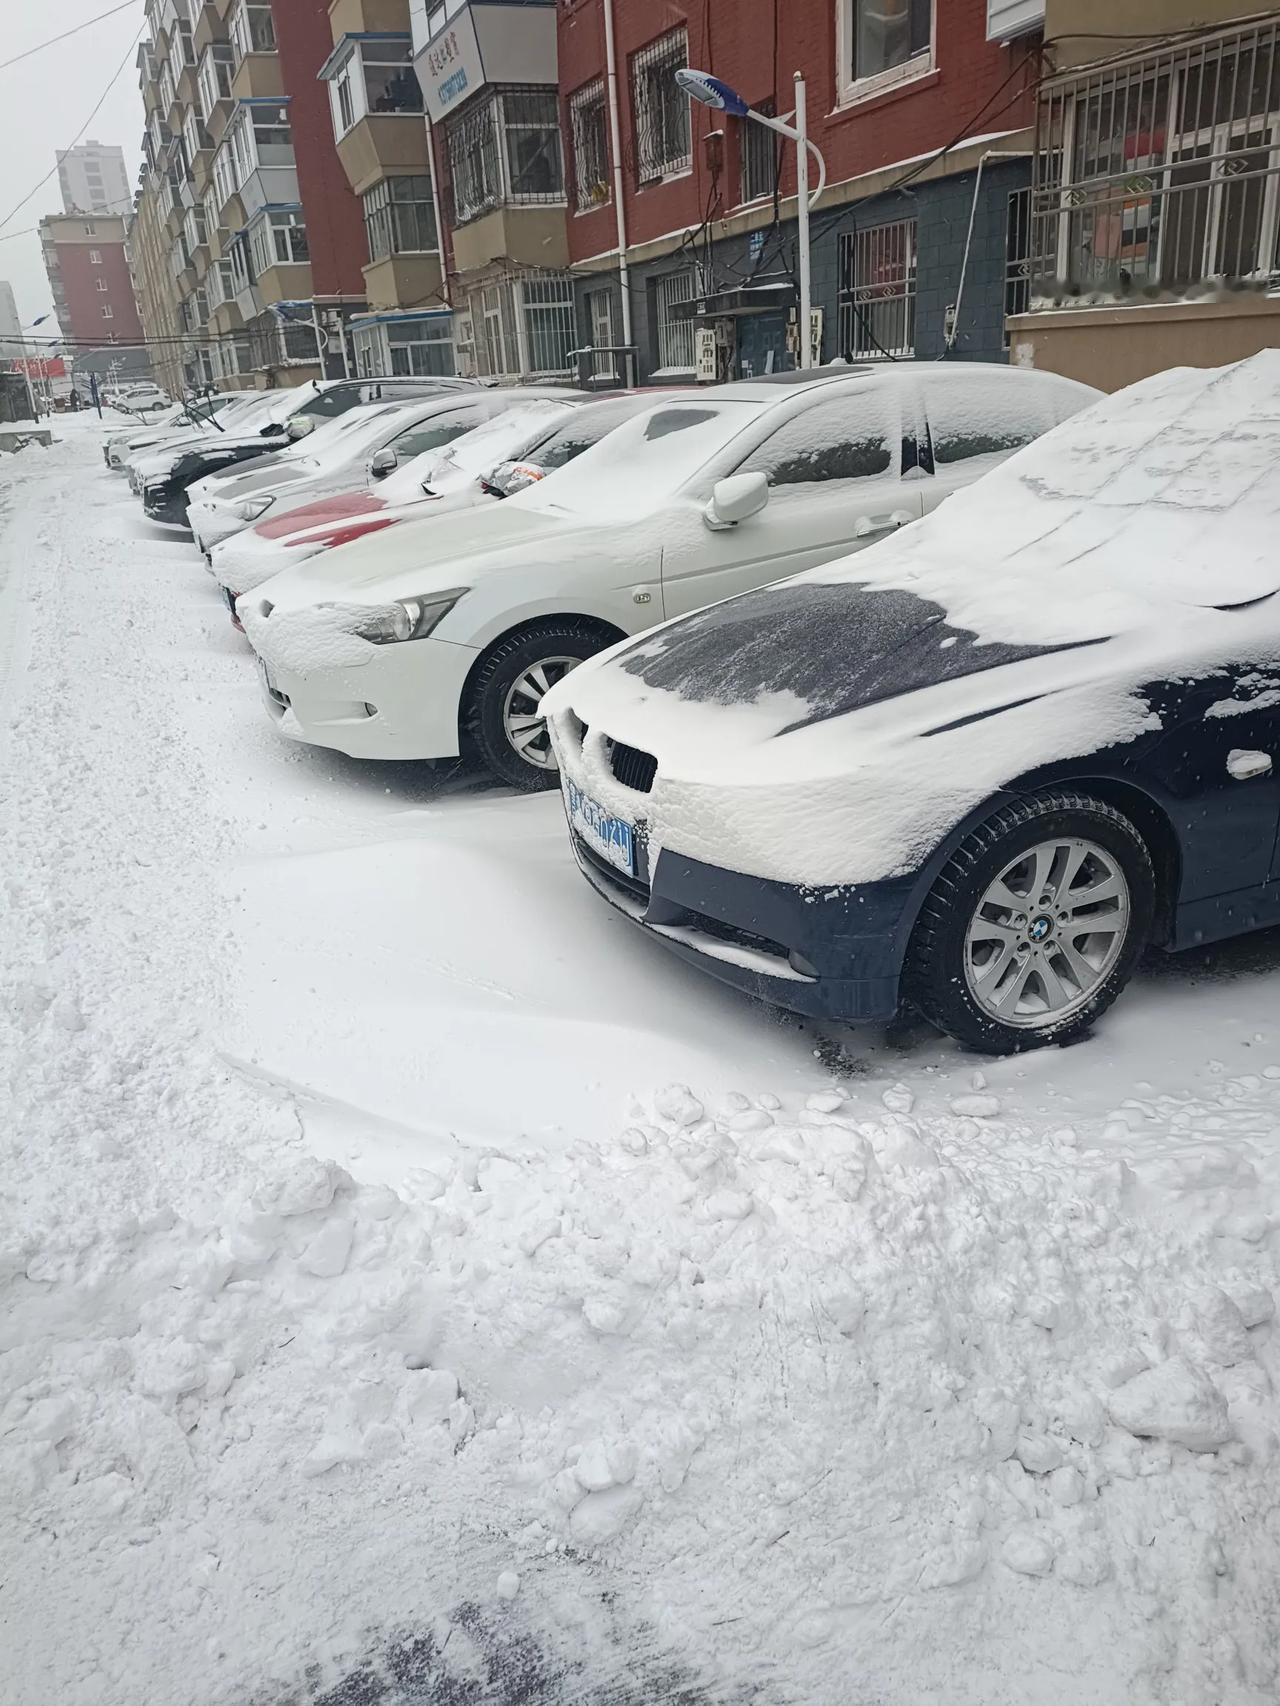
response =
{"points": [[868, 1389]]}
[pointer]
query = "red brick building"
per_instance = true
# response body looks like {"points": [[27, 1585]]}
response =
{"points": [[89, 276], [708, 199]]}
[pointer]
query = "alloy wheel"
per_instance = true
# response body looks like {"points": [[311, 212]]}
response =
{"points": [[1047, 932], [522, 718]]}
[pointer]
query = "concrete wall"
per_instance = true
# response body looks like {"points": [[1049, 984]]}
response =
{"points": [[1088, 28], [1112, 347]]}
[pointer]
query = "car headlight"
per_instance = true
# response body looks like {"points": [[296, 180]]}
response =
{"points": [[406, 618], [249, 509]]}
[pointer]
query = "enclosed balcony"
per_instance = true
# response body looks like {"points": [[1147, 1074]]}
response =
{"points": [[377, 107], [459, 48]]}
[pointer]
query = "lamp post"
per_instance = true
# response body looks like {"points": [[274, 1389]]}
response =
{"points": [[710, 91]]}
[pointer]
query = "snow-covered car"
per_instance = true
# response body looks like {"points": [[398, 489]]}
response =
{"points": [[502, 456], [165, 478], [223, 505], [432, 636], [179, 420], [981, 769]]}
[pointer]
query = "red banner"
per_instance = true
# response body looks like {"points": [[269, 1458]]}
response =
{"points": [[40, 366]]}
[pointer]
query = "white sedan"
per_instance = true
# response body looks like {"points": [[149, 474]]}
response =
{"points": [[358, 449], [494, 459], [444, 637]]}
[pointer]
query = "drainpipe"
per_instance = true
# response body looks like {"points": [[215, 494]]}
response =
{"points": [[615, 147], [435, 208], [992, 154]]}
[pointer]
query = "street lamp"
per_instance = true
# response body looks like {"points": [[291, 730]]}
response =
{"points": [[712, 92]]}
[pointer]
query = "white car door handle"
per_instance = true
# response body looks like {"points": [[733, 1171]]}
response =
{"points": [[869, 524], [1246, 766]]}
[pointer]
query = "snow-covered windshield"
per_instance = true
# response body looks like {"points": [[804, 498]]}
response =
{"points": [[473, 453], [346, 437], [643, 462], [1164, 497]]}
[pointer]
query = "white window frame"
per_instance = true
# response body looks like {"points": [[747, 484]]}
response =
{"points": [[674, 338], [852, 89], [342, 96], [102, 286], [108, 312], [241, 33], [876, 247], [95, 257]]}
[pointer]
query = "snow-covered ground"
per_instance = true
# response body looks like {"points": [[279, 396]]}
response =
{"points": [[413, 1286]]}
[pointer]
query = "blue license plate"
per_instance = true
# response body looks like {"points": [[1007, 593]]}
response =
{"points": [[613, 838]]}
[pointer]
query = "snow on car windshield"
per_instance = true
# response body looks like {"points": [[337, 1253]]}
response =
{"points": [[1164, 497], [473, 453], [641, 464]]}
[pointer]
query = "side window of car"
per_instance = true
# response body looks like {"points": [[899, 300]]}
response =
{"points": [[335, 401], [846, 438], [430, 435], [979, 414]]}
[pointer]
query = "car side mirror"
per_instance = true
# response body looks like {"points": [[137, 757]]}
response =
{"points": [[384, 463], [299, 427], [275, 430], [736, 499]]}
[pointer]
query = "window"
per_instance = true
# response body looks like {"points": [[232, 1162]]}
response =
{"points": [[102, 286], [587, 120], [843, 439], [1017, 256], [430, 435], [252, 30], [661, 109], [980, 416], [505, 148], [603, 334], [531, 120], [242, 273], [761, 155], [278, 238], [108, 312], [390, 85], [95, 257], [90, 228], [878, 290], [399, 218], [548, 323], [342, 92], [675, 337], [883, 42], [423, 348], [272, 136], [215, 75]]}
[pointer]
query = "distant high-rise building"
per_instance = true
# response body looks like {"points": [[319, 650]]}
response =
{"points": [[10, 325], [93, 179]]}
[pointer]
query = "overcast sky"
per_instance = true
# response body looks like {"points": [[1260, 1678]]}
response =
{"points": [[43, 102]]}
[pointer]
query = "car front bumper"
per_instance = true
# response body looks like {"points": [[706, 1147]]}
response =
{"points": [[166, 504], [832, 953], [211, 522], [402, 704]]}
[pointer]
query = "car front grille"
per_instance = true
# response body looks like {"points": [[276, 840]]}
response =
{"points": [[633, 768]]}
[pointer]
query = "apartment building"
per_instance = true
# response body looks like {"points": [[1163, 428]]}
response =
{"points": [[10, 324], [93, 179], [1155, 214], [920, 111], [247, 238], [89, 276]]}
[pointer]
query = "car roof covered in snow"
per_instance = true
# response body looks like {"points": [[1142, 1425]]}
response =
{"points": [[1162, 496], [957, 374]]}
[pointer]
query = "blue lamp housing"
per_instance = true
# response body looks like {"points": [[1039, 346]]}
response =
{"points": [[711, 92]]}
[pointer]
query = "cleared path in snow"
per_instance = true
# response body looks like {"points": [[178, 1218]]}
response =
{"points": [[869, 1376]]}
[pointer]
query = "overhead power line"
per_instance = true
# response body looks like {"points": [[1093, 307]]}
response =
{"points": [[66, 35], [97, 106]]}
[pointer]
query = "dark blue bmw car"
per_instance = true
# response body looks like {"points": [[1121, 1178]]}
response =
{"points": [[980, 768]]}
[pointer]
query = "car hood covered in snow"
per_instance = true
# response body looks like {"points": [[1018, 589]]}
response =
{"points": [[420, 556], [833, 726]]}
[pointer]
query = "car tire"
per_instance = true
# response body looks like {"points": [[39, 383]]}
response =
{"points": [[1003, 977], [502, 699]]}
